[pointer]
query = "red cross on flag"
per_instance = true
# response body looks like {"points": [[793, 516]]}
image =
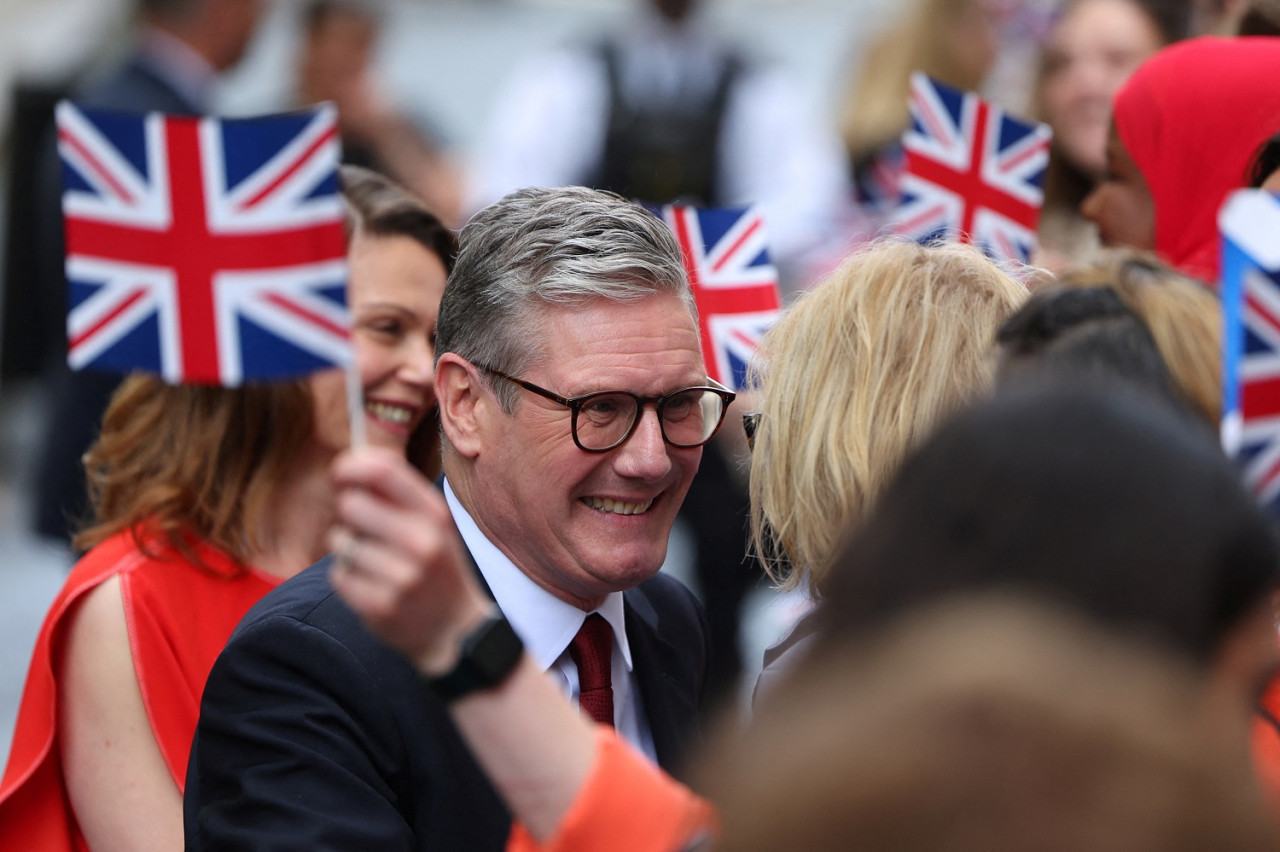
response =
{"points": [[734, 284], [972, 173]]}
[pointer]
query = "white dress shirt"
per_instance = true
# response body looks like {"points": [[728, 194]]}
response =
{"points": [[547, 625]]}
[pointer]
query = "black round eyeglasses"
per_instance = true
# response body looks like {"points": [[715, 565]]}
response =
{"points": [[604, 420]]}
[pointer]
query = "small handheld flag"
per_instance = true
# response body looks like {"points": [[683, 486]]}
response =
{"points": [[1250, 292], [207, 250], [734, 284], [972, 173]]}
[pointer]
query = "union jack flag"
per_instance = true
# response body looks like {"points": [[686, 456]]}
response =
{"points": [[207, 250], [972, 173], [734, 284], [1250, 293]]}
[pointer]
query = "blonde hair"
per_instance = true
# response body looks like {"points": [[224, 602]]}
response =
{"points": [[875, 109], [858, 372], [1184, 318]]}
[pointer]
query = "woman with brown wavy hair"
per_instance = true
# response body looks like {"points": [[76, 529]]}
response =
{"points": [[204, 500]]}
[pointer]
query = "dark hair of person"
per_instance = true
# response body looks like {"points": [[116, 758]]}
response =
{"points": [[994, 722], [1261, 18], [1084, 333], [1264, 162], [1104, 501], [1171, 17], [381, 208], [169, 9]]}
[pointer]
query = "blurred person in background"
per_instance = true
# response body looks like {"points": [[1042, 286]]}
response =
{"points": [[1185, 129], [336, 63], [665, 110], [954, 41], [994, 723], [205, 499], [1092, 48], [181, 46]]}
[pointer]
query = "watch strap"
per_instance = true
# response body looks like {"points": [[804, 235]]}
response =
{"points": [[487, 656]]}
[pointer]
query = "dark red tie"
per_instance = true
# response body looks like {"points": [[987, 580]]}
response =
{"points": [[592, 650]]}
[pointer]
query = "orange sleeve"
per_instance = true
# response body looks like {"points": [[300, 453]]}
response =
{"points": [[1265, 740], [626, 805]]}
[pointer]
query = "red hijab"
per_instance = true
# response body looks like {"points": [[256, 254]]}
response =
{"points": [[1191, 117]]}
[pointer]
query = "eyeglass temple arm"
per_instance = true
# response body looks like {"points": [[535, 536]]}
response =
{"points": [[713, 383]]}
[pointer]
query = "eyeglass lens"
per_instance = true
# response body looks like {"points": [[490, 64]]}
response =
{"points": [[688, 418]]}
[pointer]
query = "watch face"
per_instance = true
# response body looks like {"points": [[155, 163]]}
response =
{"points": [[496, 651], [488, 655]]}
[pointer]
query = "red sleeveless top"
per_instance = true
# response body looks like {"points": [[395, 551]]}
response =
{"points": [[179, 615]]}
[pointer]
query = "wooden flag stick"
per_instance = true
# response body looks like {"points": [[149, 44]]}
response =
{"points": [[355, 405]]}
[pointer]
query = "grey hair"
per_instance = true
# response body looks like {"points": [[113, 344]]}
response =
{"points": [[539, 247]]}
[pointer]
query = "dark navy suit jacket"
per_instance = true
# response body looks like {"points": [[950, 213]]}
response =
{"points": [[314, 735]]}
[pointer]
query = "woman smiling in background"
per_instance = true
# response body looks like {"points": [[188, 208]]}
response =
{"points": [[205, 499]]}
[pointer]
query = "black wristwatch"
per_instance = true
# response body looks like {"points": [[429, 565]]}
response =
{"points": [[488, 655]]}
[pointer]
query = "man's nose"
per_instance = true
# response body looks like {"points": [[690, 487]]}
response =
{"points": [[645, 454]]}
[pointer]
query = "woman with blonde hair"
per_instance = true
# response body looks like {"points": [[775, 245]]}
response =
{"points": [[205, 499], [858, 372]]}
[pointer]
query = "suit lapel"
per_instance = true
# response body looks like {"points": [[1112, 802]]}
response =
{"points": [[669, 703]]}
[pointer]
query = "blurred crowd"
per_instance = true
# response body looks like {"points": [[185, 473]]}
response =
{"points": [[1038, 605]]}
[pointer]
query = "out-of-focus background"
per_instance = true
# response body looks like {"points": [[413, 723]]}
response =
{"points": [[444, 64]]}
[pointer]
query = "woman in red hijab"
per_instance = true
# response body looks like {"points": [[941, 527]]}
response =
{"points": [[1185, 127]]}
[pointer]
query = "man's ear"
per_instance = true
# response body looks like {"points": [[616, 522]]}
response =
{"points": [[462, 399]]}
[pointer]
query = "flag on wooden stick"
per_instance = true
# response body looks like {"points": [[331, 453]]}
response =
{"points": [[207, 250]]}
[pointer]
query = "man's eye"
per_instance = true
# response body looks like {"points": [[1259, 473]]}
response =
{"points": [[388, 328]]}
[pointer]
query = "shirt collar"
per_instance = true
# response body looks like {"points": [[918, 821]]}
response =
{"points": [[543, 622]]}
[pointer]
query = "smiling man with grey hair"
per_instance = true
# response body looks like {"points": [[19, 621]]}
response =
{"points": [[574, 404]]}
